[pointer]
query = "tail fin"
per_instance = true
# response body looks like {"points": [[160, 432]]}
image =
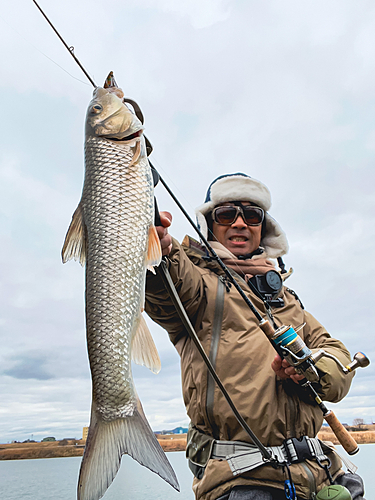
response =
{"points": [[108, 441]]}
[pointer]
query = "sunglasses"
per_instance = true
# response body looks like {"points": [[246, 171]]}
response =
{"points": [[227, 215]]}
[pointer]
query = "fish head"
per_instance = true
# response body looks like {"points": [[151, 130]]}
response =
{"points": [[107, 116]]}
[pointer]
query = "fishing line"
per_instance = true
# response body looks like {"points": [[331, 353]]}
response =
{"points": [[71, 52], [69, 49], [38, 50], [170, 181]]}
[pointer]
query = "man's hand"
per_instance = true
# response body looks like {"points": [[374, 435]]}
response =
{"points": [[283, 369], [165, 238]]}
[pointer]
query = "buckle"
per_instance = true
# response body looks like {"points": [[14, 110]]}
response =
{"points": [[298, 450]]}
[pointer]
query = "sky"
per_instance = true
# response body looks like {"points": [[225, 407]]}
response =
{"points": [[283, 91]]}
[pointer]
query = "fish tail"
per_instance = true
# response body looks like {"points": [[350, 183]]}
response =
{"points": [[108, 441]]}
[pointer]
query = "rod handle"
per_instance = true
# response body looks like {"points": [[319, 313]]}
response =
{"points": [[267, 328], [345, 439]]}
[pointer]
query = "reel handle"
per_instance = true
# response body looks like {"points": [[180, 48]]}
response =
{"points": [[359, 360], [345, 439]]}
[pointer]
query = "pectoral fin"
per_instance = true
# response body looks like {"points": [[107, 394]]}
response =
{"points": [[154, 254], [144, 351], [75, 240], [137, 153]]}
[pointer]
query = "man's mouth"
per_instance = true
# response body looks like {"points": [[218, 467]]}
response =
{"points": [[239, 239]]}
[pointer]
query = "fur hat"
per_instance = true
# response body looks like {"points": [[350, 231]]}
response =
{"points": [[242, 187]]}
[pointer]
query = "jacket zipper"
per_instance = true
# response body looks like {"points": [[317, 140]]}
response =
{"points": [[215, 339]]}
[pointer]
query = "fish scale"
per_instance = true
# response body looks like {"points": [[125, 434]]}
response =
{"points": [[116, 231]]}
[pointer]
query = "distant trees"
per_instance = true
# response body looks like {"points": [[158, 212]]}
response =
{"points": [[358, 425], [48, 439], [358, 422], [66, 441]]}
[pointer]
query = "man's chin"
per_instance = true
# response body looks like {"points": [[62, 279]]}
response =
{"points": [[239, 249]]}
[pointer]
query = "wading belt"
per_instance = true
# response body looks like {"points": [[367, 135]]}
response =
{"points": [[243, 457]]}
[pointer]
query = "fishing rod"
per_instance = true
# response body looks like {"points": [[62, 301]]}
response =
{"points": [[284, 339], [69, 49]]}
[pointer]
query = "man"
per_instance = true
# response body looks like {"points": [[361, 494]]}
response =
{"points": [[263, 387]]}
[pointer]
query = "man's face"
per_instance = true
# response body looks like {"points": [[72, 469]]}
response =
{"points": [[238, 238]]}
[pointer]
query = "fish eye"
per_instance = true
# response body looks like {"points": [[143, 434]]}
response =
{"points": [[96, 108]]}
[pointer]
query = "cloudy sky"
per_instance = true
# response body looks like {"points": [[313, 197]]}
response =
{"points": [[284, 91]]}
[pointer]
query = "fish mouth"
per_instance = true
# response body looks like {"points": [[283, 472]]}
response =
{"points": [[126, 138]]}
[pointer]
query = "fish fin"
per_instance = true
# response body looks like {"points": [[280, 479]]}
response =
{"points": [[144, 350], [108, 441], [75, 240], [143, 294], [137, 153], [154, 254]]}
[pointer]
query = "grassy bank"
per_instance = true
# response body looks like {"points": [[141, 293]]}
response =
{"points": [[169, 442], [54, 449], [172, 442], [51, 449], [362, 437]]}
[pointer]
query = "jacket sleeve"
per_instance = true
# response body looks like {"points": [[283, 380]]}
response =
{"points": [[187, 279], [334, 384]]}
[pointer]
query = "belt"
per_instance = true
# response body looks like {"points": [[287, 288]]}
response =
{"points": [[243, 457]]}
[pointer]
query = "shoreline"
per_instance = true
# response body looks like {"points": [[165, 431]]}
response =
{"points": [[169, 443], [73, 448]]}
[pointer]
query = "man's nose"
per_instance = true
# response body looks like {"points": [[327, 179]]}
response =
{"points": [[239, 223]]}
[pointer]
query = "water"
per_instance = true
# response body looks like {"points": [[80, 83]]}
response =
{"points": [[56, 479]]}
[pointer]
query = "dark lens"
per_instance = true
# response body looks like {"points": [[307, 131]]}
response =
{"points": [[225, 215], [253, 215]]}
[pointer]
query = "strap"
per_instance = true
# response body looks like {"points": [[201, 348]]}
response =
{"points": [[137, 109], [328, 446], [215, 338], [243, 457], [317, 449]]}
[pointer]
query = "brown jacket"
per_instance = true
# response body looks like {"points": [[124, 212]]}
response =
{"points": [[242, 356]]}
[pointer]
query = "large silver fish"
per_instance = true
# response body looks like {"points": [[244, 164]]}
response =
{"points": [[112, 233]]}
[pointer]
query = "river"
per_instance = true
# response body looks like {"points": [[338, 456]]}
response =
{"points": [[56, 479]]}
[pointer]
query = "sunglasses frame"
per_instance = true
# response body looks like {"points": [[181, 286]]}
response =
{"points": [[240, 211]]}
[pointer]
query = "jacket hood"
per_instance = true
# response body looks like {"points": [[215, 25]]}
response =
{"points": [[242, 187]]}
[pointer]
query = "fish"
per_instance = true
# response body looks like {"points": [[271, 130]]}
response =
{"points": [[112, 233]]}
